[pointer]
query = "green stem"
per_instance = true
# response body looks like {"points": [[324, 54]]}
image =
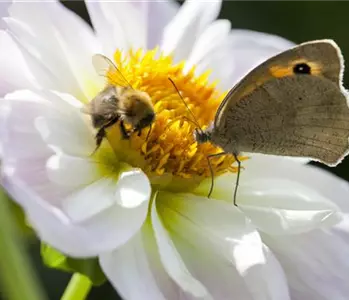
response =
{"points": [[18, 279], [78, 288]]}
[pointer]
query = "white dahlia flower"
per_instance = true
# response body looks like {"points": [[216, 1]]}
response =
{"points": [[140, 205]]}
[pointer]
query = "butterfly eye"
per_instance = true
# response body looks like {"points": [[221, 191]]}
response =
{"points": [[302, 68]]}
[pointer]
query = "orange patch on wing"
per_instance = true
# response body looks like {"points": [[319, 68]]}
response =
{"points": [[283, 71], [257, 83]]}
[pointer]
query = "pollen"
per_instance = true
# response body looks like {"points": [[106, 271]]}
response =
{"points": [[167, 151]]}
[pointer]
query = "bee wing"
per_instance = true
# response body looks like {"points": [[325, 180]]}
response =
{"points": [[103, 65]]}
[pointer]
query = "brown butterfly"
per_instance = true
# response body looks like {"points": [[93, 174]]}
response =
{"points": [[293, 104]]}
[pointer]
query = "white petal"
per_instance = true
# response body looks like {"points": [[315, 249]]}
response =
{"points": [[120, 25], [210, 40], [127, 195], [328, 185], [22, 108], [4, 5], [191, 20], [65, 128], [20, 138], [50, 224], [47, 30], [220, 248], [316, 263], [159, 14], [62, 134], [240, 53], [273, 160], [71, 171], [90, 200], [137, 264], [14, 72], [282, 207], [99, 233], [24, 152], [172, 261]]}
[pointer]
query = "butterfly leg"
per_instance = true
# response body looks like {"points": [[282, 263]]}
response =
{"points": [[237, 177], [208, 157], [212, 177]]}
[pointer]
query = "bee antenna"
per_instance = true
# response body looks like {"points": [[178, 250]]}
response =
{"points": [[194, 121]]}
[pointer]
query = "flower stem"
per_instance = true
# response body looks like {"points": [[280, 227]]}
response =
{"points": [[78, 288], [18, 279]]}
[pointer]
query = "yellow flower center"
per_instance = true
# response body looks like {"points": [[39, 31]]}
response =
{"points": [[169, 155]]}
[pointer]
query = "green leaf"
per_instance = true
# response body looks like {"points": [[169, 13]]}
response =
{"points": [[89, 267], [18, 277], [20, 219]]}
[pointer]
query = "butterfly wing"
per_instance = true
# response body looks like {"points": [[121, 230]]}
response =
{"points": [[280, 111]]}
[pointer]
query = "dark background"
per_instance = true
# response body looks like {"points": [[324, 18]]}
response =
{"points": [[298, 21]]}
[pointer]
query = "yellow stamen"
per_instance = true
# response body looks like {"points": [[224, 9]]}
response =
{"points": [[170, 156]]}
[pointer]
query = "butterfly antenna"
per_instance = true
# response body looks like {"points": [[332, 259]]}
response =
{"points": [[237, 178], [194, 121]]}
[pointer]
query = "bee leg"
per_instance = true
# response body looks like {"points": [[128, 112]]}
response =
{"points": [[124, 133], [139, 132], [99, 137]]}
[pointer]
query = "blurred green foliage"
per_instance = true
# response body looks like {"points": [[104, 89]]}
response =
{"points": [[88, 267]]}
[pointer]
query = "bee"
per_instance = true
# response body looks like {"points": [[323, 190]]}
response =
{"points": [[118, 103]]}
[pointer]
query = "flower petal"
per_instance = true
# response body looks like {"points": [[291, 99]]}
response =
{"points": [[172, 261], [4, 5], [50, 224], [24, 153], [90, 200], [221, 248], [240, 53], [65, 136], [191, 20], [159, 14], [71, 171], [282, 207], [47, 31], [100, 232], [127, 195], [120, 25], [14, 72], [20, 138], [210, 40], [316, 263], [328, 185], [137, 263]]}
